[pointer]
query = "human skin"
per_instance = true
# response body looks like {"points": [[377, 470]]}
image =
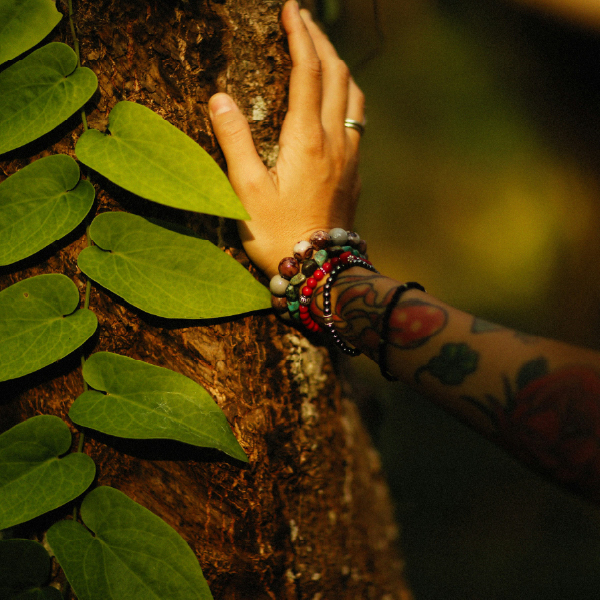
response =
{"points": [[314, 184], [538, 398]]}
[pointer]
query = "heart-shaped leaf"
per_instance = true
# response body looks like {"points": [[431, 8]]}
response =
{"points": [[41, 91], [24, 23], [24, 571], [134, 555], [143, 401], [40, 204], [150, 157], [39, 324], [33, 479], [167, 273]]}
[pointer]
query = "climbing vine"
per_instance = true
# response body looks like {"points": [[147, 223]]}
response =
{"points": [[113, 547]]}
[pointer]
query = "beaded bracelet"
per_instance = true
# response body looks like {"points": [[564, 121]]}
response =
{"points": [[385, 329], [311, 261], [346, 262]]}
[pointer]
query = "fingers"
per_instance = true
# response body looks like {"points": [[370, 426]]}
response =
{"points": [[342, 98], [336, 77], [244, 166], [306, 78], [356, 111], [356, 102]]}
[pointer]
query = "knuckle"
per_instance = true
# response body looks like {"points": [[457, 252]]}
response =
{"points": [[315, 143], [360, 99], [342, 70], [357, 94], [253, 184], [234, 129], [313, 67]]}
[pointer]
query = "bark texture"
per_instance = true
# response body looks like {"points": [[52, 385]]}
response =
{"points": [[309, 517]]}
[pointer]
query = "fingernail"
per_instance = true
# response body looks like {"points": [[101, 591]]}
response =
{"points": [[219, 104]]}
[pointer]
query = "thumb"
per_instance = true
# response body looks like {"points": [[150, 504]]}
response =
{"points": [[233, 133]]}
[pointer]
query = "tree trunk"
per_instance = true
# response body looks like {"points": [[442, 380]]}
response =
{"points": [[309, 517]]}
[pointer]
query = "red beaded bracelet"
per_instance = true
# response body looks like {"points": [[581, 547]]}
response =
{"points": [[299, 275]]}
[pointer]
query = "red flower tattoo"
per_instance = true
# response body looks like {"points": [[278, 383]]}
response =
{"points": [[414, 322], [552, 421], [556, 421]]}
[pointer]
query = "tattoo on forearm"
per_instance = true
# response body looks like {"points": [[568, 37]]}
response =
{"points": [[414, 322], [451, 365], [483, 326], [360, 307], [551, 420]]}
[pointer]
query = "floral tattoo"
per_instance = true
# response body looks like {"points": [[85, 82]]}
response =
{"points": [[551, 420], [360, 308]]}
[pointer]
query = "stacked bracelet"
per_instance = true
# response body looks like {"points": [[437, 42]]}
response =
{"points": [[346, 262], [326, 255], [300, 274]]}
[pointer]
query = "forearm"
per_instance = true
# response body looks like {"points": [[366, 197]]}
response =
{"points": [[538, 398]]}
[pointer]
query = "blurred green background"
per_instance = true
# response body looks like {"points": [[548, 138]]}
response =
{"points": [[481, 181]]}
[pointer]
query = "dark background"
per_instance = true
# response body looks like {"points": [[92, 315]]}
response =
{"points": [[481, 181]]}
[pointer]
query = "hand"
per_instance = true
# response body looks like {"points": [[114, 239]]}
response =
{"points": [[314, 184]]}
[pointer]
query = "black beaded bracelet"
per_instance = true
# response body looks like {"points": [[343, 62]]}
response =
{"points": [[385, 328], [328, 324]]}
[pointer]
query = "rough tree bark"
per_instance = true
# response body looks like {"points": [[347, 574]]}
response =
{"points": [[309, 517]]}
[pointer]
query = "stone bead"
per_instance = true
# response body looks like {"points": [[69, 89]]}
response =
{"points": [[338, 236], [320, 257], [298, 279], [362, 247], [320, 239], [302, 251], [288, 267], [291, 293], [278, 285], [336, 250], [279, 303], [293, 307], [309, 267], [353, 239]]}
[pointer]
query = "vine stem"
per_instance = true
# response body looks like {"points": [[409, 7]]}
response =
{"points": [[88, 285], [77, 53], [66, 589]]}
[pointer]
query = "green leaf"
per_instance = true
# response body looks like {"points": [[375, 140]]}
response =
{"points": [[143, 401], [134, 555], [452, 365], [40, 204], [41, 91], [166, 273], [39, 324], [33, 480], [532, 370], [150, 157], [24, 570], [24, 23]]}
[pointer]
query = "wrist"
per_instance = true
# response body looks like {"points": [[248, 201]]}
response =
{"points": [[302, 275]]}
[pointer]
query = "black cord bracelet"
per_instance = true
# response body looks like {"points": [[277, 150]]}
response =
{"points": [[353, 261], [385, 328]]}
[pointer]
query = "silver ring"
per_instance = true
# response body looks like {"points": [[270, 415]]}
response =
{"points": [[357, 125]]}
